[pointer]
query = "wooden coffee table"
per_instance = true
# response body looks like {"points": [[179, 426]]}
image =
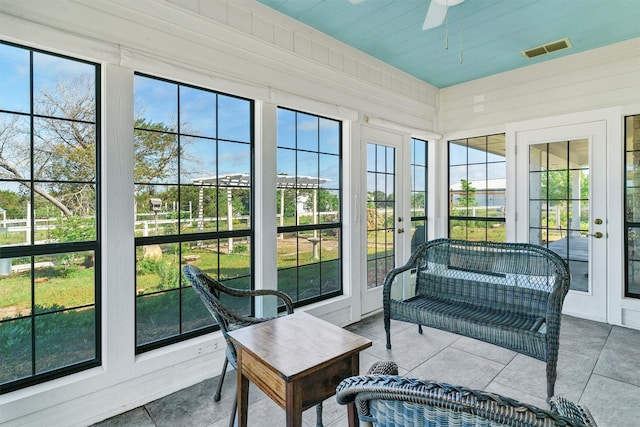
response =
{"points": [[298, 361]]}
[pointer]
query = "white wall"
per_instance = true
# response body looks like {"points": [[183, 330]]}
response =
{"points": [[239, 47], [596, 79]]}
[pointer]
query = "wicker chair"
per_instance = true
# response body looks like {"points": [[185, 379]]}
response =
{"points": [[211, 293], [384, 399]]}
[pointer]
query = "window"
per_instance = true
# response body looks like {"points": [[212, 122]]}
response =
{"points": [[632, 206], [381, 212], [559, 180], [193, 203], [309, 184], [477, 188], [419, 180], [49, 216]]}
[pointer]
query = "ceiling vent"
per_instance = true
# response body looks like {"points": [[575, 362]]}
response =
{"points": [[547, 48]]}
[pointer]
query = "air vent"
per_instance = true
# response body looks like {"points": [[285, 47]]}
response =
{"points": [[547, 48]]}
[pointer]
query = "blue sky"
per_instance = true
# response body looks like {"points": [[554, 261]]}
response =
{"points": [[199, 109]]}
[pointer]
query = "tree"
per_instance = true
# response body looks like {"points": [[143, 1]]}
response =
{"points": [[64, 149], [418, 203], [560, 184], [289, 201], [13, 204], [468, 194], [156, 153], [380, 198], [327, 201]]}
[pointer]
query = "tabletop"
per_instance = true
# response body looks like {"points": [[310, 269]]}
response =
{"points": [[298, 343]]}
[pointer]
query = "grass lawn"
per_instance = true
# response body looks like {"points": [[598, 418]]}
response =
{"points": [[68, 287]]}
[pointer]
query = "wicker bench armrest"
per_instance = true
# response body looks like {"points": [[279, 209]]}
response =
{"points": [[413, 261]]}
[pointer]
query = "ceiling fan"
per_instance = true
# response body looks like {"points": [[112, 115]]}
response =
{"points": [[435, 14]]}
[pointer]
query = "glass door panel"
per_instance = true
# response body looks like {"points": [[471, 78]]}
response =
{"points": [[381, 178], [562, 182], [632, 206], [559, 203]]}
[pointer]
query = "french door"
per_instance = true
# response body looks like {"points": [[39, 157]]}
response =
{"points": [[386, 220], [562, 205]]}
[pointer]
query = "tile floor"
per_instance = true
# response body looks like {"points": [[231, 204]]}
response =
{"points": [[598, 366]]}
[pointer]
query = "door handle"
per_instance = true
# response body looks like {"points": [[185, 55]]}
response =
{"points": [[597, 235], [400, 230]]}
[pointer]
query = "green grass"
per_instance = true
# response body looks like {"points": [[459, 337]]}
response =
{"points": [[61, 339], [157, 314], [17, 237], [497, 234], [158, 275], [66, 289]]}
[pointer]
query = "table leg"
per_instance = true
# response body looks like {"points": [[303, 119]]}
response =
{"points": [[319, 415], [243, 393], [352, 413], [294, 405]]}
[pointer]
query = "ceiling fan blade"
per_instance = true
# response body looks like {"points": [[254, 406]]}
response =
{"points": [[355, 1], [435, 15]]}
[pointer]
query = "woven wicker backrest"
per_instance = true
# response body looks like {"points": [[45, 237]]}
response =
{"points": [[211, 292], [397, 413], [229, 306], [508, 276], [393, 401]]}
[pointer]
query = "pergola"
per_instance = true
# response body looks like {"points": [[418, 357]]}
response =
{"points": [[243, 180]]}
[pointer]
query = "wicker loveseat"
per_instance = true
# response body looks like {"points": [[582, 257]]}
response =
{"points": [[508, 294], [384, 399]]}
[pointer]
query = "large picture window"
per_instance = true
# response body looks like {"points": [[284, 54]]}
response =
{"points": [[193, 203], [477, 188], [49, 216], [309, 189]]}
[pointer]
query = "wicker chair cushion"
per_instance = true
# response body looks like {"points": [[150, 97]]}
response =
{"points": [[485, 289], [515, 331]]}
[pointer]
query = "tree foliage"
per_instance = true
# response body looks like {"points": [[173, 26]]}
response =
{"points": [[327, 201], [13, 204], [559, 185], [156, 153], [468, 194], [379, 199], [64, 150]]}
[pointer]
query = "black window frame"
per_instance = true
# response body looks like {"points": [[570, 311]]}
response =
{"points": [[179, 239], [424, 237], [486, 163], [631, 227], [33, 250], [317, 227]]}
